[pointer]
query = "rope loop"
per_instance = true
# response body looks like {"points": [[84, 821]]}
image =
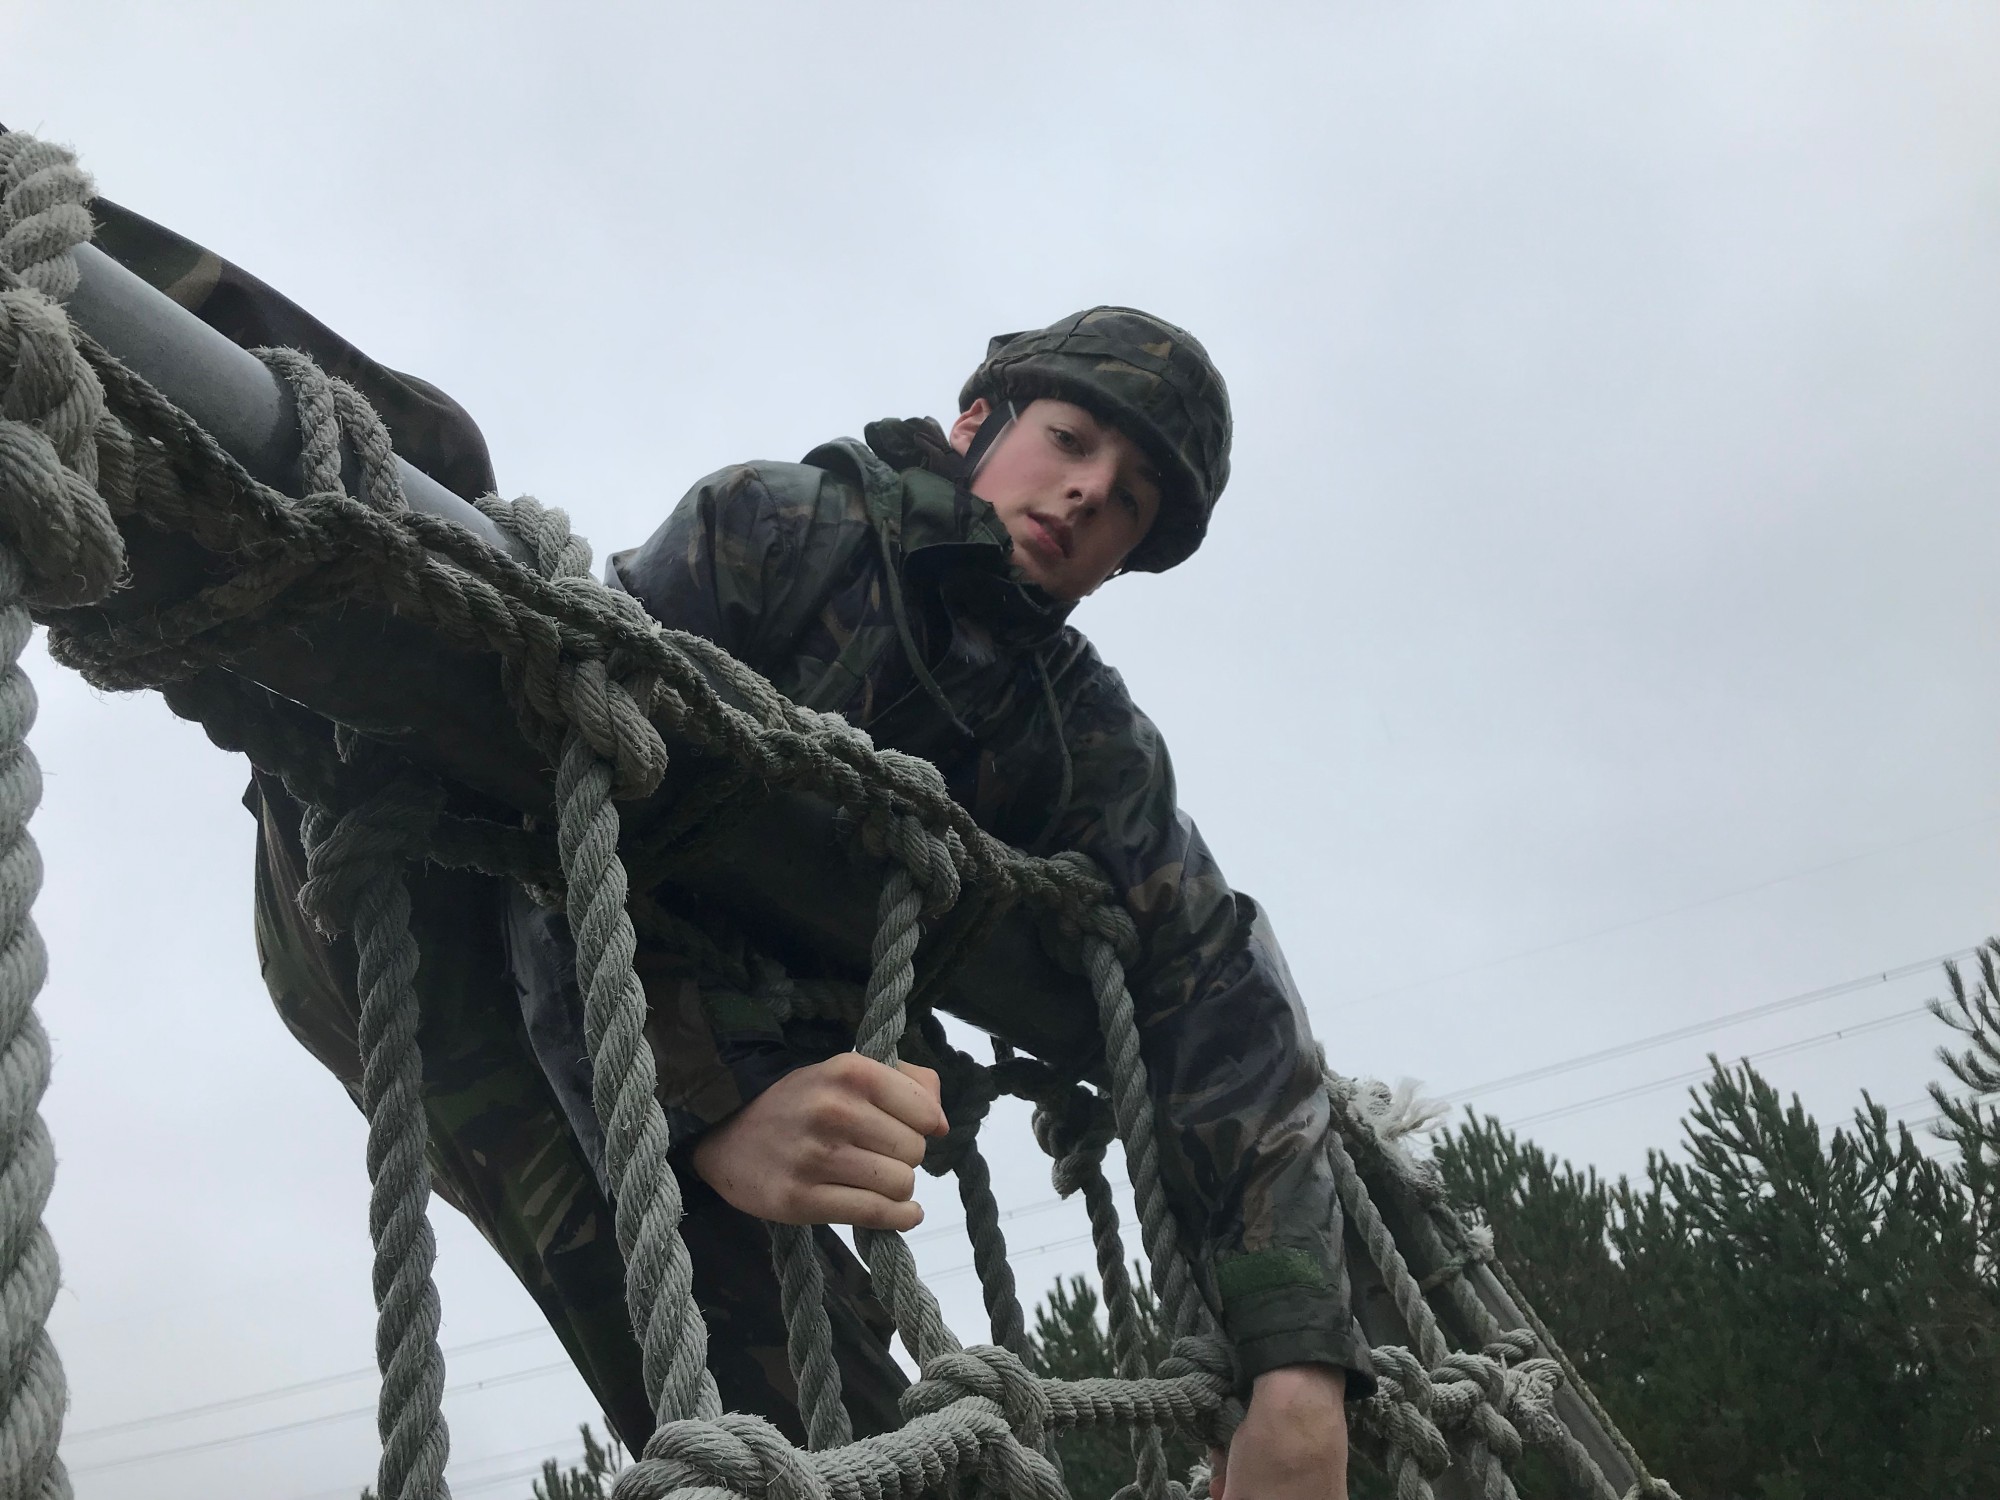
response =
{"points": [[1073, 1125], [743, 1454], [991, 1374], [931, 858], [391, 825], [1470, 1393], [43, 193], [1513, 1345], [52, 417]]}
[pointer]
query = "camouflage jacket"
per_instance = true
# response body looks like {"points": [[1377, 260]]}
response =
{"points": [[797, 569], [866, 581]]}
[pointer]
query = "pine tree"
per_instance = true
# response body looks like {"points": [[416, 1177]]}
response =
{"points": [[1784, 1312], [1070, 1343], [589, 1480]]}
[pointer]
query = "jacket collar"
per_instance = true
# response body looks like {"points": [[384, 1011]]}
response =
{"points": [[948, 539]]}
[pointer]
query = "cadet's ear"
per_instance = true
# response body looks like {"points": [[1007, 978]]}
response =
{"points": [[968, 424]]}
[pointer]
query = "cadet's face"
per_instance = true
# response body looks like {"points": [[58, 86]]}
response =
{"points": [[1074, 493]]}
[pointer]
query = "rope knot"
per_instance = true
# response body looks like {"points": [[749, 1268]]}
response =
{"points": [[614, 725], [544, 530], [989, 1373], [1399, 1414], [743, 1454], [1513, 1345], [392, 825], [1531, 1401], [1200, 1354], [969, 1092], [1073, 1125], [932, 859], [52, 417], [1469, 1393]]}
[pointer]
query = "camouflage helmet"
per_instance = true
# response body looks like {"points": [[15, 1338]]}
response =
{"points": [[1152, 381]]}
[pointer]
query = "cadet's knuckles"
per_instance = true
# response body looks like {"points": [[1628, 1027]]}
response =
{"points": [[850, 1069]]}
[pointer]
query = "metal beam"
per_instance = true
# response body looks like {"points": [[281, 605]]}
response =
{"points": [[782, 868]]}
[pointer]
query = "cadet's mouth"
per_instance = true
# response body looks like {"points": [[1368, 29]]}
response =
{"points": [[1059, 535]]}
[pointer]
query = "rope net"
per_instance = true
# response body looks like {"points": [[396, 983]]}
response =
{"points": [[1469, 1378]]}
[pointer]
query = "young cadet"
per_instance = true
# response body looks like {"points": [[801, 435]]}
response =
{"points": [[919, 583]]}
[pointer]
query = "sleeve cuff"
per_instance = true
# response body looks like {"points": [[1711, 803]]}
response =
{"points": [[1278, 1310]]}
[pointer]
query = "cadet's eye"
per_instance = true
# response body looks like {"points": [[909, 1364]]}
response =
{"points": [[1129, 500], [1065, 439]]}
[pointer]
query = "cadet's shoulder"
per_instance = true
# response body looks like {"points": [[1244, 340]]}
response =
{"points": [[1093, 693], [772, 481]]}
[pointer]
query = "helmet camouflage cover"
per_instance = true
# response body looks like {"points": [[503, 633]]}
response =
{"points": [[1148, 378]]}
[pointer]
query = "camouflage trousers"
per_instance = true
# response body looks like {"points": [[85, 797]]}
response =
{"points": [[503, 1154]]}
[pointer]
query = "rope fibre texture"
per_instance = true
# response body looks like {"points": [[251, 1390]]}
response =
{"points": [[356, 880], [596, 683]]}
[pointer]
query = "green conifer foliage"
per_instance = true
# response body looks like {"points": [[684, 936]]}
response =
{"points": [[1780, 1312], [589, 1480], [1070, 1343]]}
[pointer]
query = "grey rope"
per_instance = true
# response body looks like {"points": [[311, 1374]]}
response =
{"points": [[355, 879], [894, 1269], [809, 1335], [33, 1395], [1133, 1107], [1079, 1165], [659, 1279], [989, 1252], [57, 546]]}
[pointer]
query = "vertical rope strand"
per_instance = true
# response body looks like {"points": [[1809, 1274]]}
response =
{"points": [[33, 1393], [989, 1252], [809, 1335], [891, 976], [659, 1279], [410, 1418], [1133, 1106]]}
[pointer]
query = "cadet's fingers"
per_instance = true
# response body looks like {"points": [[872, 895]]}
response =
{"points": [[846, 1205], [850, 1166], [1218, 1474], [873, 1129], [927, 1080]]}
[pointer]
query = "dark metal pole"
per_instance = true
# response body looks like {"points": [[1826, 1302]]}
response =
{"points": [[782, 867], [229, 391]]}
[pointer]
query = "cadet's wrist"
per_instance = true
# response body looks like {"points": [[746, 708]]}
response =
{"points": [[1301, 1385]]}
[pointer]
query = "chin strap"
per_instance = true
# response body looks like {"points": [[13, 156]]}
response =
{"points": [[990, 432]]}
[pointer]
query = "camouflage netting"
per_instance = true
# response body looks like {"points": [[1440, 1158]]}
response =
{"points": [[1469, 1378]]}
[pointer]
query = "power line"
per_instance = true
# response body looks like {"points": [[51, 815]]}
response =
{"points": [[1562, 1111], [493, 1382], [1673, 911], [458, 1475], [1026, 1210], [279, 1393], [1697, 1028]]}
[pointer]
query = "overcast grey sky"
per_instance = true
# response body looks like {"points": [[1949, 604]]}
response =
{"points": [[1597, 635]]}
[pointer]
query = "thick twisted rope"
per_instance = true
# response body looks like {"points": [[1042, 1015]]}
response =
{"points": [[355, 870], [1132, 1104], [1068, 1129], [33, 1395], [890, 1263], [57, 546], [809, 1335]]}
